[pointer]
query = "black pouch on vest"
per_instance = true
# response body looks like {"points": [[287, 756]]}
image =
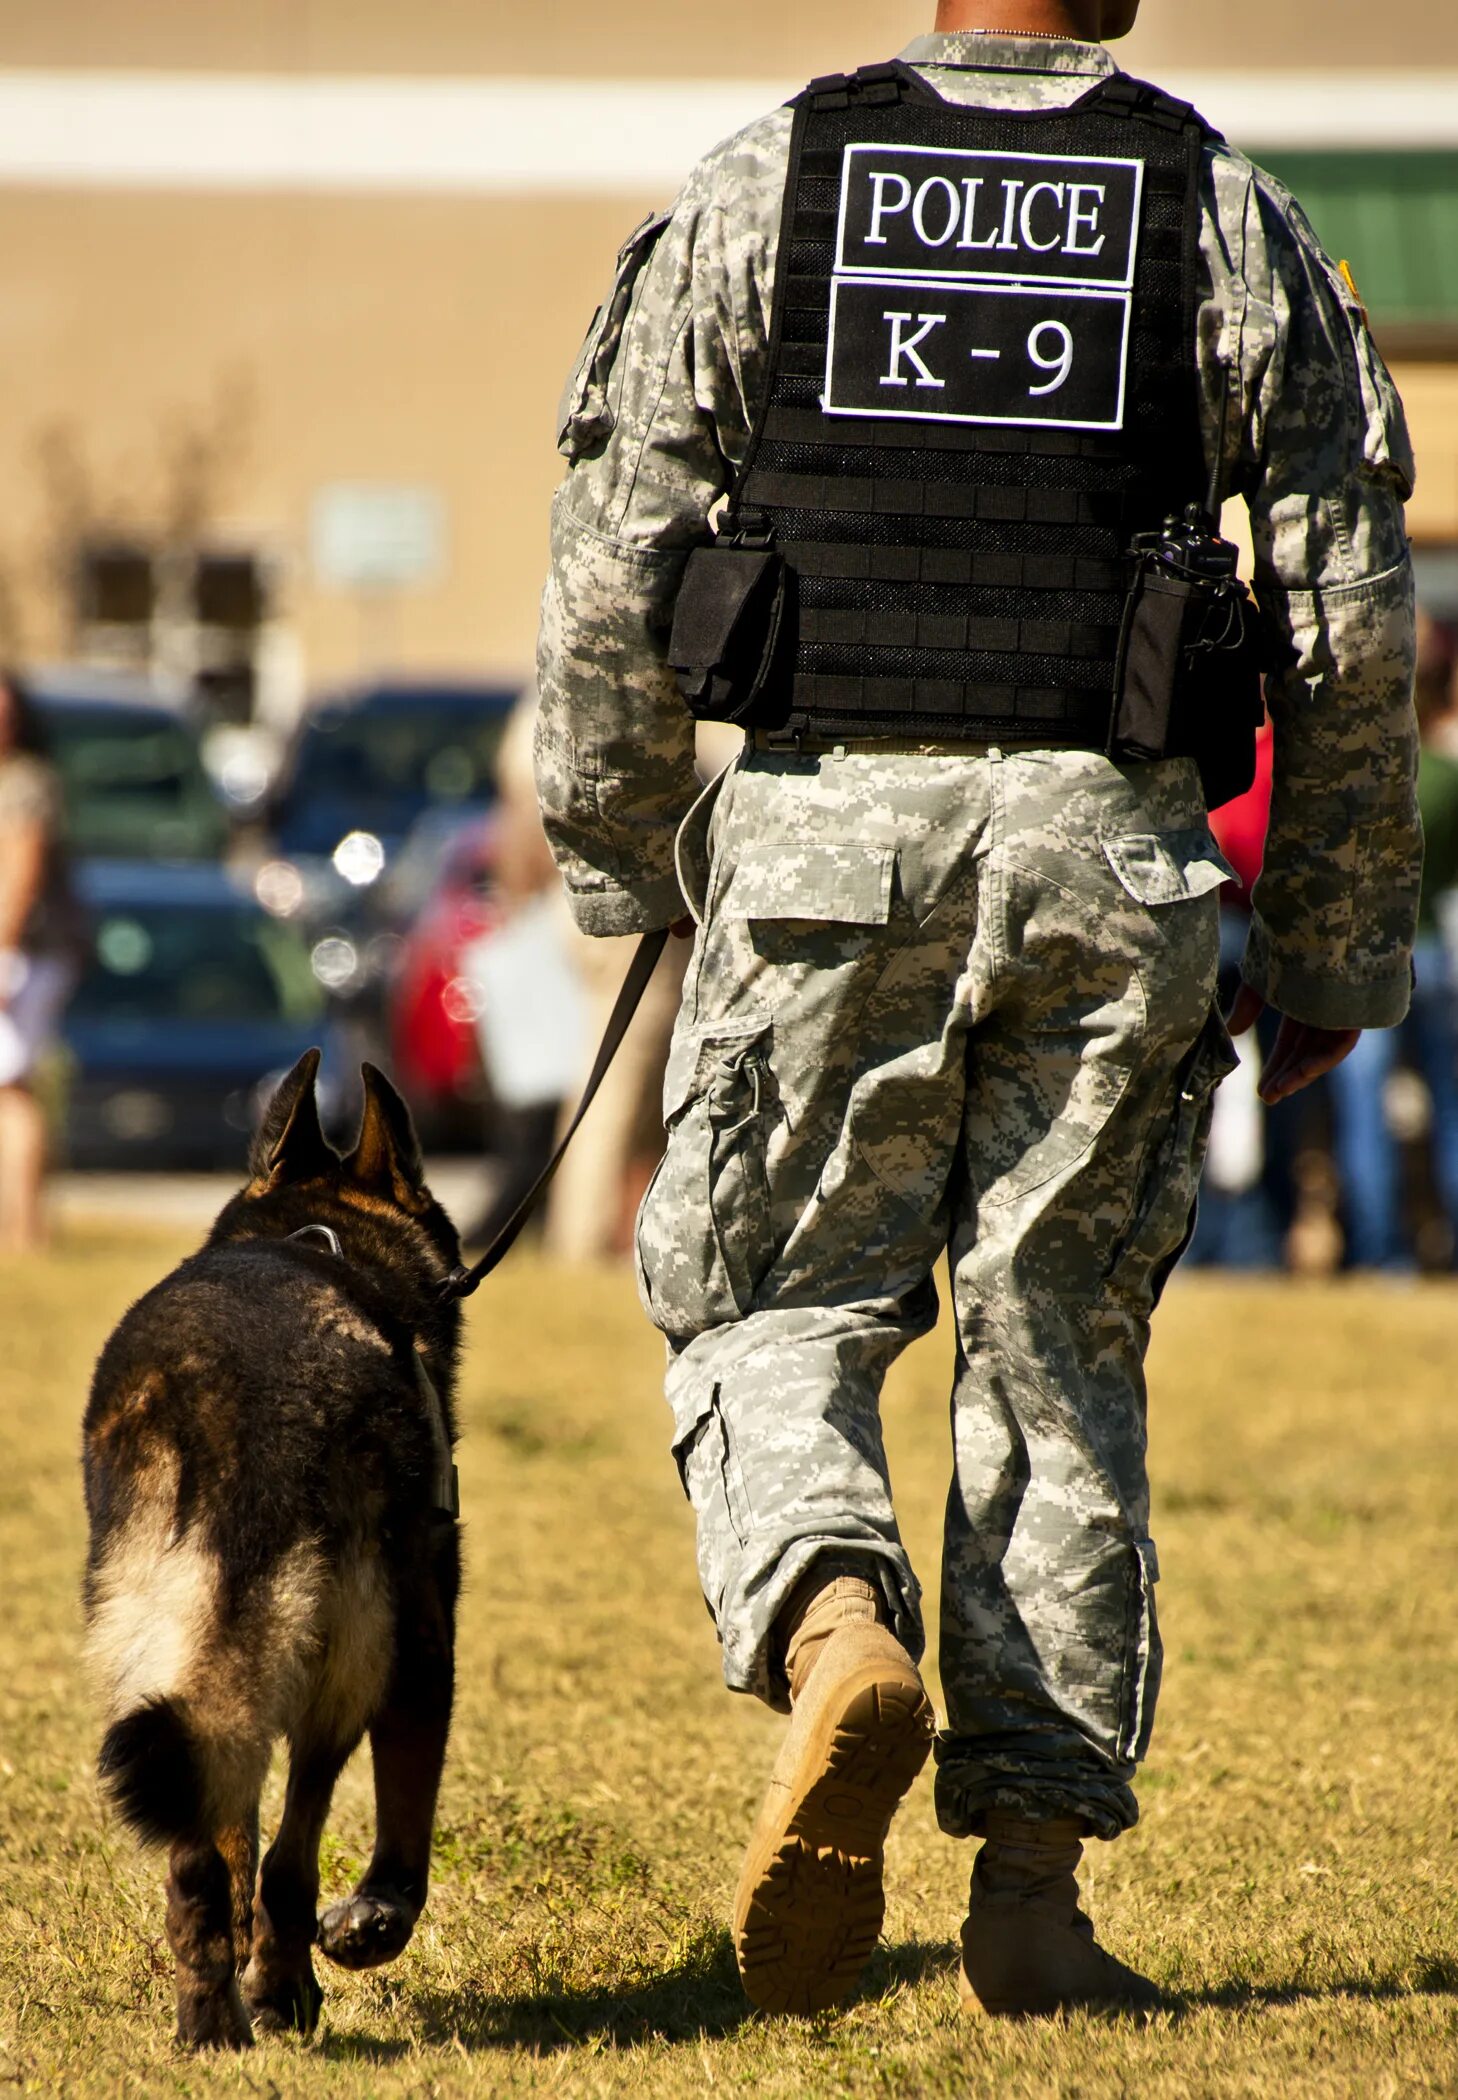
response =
{"points": [[732, 630], [1190, 660]]}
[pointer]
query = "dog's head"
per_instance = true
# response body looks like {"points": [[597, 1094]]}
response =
{"points": [[374, 1197]]}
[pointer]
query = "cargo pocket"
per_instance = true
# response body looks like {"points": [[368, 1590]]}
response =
{"points": [[708, 1467], [704, 1239], [1144, 1656], [585, 415], [1168, 867], [1163, 1215]]}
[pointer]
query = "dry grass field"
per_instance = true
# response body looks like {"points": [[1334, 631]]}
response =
{"points": [[1293, 1885]]}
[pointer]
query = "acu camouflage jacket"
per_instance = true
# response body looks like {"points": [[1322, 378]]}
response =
{"points": [[657, 417]]}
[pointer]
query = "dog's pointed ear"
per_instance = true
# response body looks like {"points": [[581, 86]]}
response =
{"points": [[386, 1161], [290, 1145]]}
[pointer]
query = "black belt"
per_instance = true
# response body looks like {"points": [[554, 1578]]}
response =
{"points": [[811, 743]]}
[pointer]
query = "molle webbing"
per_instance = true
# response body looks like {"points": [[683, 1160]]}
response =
{"points": [[959, 579]]}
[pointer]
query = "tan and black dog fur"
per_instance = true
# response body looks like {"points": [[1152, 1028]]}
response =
{"points": [[269, 1556]]}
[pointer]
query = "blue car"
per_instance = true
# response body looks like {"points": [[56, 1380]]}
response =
{"points": [[195, 1001], [131, 767], [371, 763]]}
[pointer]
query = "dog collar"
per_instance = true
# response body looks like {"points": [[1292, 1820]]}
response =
{"points": [[327, 1237]]}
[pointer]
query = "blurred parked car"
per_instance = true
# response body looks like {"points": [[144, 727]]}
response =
{"points": [[367, 765], [131, 767], [432, 1012], [196, 1001]]}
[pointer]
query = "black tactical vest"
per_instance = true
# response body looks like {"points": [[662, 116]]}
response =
{"points": [[982, 384]]}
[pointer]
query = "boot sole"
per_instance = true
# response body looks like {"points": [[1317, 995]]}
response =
{"points": [[1110, 2003], [1136, 2000], [1030, 2006], [811, 1899]]}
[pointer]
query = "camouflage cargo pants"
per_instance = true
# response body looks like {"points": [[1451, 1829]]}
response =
{"points": [[954, 1003]]}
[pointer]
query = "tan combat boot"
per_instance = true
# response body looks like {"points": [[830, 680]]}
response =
{"points": [[810, 1902], [1026, 1946]]}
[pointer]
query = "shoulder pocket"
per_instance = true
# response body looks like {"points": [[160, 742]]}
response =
{"points": [[584, 415], [1168, 867]]}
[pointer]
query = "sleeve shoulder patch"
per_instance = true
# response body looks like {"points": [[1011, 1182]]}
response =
{"points": [[1376, 404], [585, 415]]}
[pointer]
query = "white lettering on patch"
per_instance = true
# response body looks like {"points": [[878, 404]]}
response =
{"points": [[904, 346], [1041, 248], [1026, 218]]}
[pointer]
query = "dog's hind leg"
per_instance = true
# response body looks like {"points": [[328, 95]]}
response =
{"points": [[210, 2011], [239, 1847], [279, 1983], [408, 1742]]}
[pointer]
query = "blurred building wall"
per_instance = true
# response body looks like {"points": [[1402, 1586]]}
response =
{"points": [[667, 38], [184, 356]]}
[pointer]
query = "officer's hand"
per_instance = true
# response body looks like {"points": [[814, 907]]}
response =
{"points": [[682, 929], [1302, 1052]]}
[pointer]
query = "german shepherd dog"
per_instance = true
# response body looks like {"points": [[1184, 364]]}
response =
{"points": [[274, 1553]]}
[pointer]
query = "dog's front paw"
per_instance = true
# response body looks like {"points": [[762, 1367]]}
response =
{"points": [[364, 1931], [286, 2002]]}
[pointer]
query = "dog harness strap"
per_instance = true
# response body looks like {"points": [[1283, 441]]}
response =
{"points": [[461, 1282]]}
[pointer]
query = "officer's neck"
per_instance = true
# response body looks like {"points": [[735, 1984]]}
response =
{"points": [[1082, 19]]}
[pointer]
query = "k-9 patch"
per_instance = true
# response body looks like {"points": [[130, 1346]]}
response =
{"points": [[975, 287]]}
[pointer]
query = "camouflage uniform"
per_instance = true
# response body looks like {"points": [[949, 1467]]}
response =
{"points": [[960, 997]]}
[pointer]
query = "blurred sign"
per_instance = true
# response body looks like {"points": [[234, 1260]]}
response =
{"points": [[376, 535]]}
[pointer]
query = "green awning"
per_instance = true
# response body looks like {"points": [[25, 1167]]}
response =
{"points": [[1394, 218]]}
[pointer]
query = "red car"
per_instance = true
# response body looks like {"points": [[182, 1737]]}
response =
{"points": [[432, 1011]]}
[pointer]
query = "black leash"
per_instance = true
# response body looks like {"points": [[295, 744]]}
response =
{"points": [[461, 1282]]}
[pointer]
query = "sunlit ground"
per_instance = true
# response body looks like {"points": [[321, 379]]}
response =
{"points": [[1293, 1885]]}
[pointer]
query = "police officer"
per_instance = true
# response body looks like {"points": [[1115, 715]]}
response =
{"points": [[931, 350]]}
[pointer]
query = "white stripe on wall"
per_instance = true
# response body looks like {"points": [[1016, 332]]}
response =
{"points": [[515, 137], [483, 137]]}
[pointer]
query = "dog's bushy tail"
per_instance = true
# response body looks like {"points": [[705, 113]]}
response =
{"points": [[151, 1769]]}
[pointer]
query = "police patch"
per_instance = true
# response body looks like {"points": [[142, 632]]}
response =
{"points": [[981, 287]]}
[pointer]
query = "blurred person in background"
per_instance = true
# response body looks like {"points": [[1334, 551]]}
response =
{"points": [[1248, 1200], [600, 1183], [530, 1008], [39, 944], [545, 992], [1368, 1152]]}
